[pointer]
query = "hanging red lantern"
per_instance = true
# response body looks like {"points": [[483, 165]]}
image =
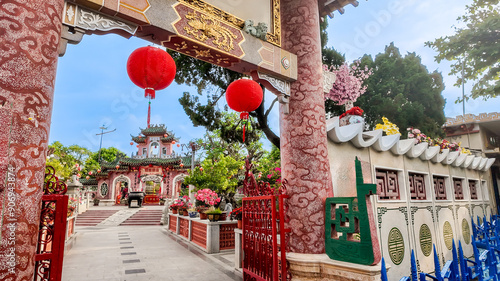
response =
{"points": [[117, 166], [99, 170], [137, 146], [173, 142], [87, 177], [151, 68], [178, 145], [131, 143], [244, 95], [182, 165], [165, 135]]}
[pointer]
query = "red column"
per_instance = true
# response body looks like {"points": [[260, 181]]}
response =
{"points": [[304, 155], [29, 37]]}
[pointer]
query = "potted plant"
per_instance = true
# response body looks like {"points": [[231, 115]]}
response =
{"points": [[237, 214], [213, 214], [192, 213], [205, 198]]}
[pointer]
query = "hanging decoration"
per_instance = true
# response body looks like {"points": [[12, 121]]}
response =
{"points": [[244, 96], [152, 69], [131, 143]]}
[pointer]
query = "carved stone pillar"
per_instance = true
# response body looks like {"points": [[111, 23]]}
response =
{"points": [[29, 37], [304, 154]]}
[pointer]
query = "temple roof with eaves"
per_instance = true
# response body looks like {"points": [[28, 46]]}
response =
{"points": [[155, 130]]}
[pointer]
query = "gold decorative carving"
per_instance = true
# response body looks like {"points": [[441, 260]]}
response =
{"points": [[203, 27], [215, 12], [274, 36], [203, 53]]}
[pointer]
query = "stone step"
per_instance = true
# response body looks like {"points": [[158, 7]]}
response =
{"points": [[144, 217]]}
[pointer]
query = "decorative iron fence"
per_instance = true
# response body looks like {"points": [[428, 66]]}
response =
{"points": [[52, 231]]}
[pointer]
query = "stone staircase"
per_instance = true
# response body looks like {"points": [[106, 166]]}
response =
{"points": [[93, 217], [144, 217]]}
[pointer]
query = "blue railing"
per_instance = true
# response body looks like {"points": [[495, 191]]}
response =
{"points": [[484, 266]]}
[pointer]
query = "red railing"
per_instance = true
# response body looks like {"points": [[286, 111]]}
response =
{"points": [[263, 220], [264, 251], [52, 231]]}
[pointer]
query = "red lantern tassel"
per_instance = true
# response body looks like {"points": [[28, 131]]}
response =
{"points": [[149, 92], [243, 133], [244, 116]]}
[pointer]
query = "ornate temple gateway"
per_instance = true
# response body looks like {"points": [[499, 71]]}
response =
{"points": [[155, 169]]}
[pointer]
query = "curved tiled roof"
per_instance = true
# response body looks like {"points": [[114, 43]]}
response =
{"points": [[359, 138], [91, 181], [138, 139], [154, 130]]}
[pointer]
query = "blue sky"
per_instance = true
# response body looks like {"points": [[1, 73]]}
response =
{"points": [[93, 88]]}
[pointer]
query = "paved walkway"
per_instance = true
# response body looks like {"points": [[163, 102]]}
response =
{"points": [[136, 253]]}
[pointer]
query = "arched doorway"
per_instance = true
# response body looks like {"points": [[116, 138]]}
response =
{"points": [[121, 186]]}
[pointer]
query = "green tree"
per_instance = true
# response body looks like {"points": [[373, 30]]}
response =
{"points": [[402, 89], [65, 158], [474, 48], [214, 80], [219, 174], [109, 155]]}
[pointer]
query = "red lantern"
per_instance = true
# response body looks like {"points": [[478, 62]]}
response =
{"points": [[244, 96], [137, 146], [131, 143], [151, 68], [182, 165], [178, 145], [87, 177], [99, 170], [165, 135], [173, 142], [117, 166]]}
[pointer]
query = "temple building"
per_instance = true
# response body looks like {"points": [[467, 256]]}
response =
{"points": [[155, 169]]}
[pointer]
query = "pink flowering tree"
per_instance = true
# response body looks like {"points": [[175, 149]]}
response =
{"points": [[206, 198], [348, 86]]}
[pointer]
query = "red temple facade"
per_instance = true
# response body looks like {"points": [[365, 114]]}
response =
{"points": [[155, 169]]}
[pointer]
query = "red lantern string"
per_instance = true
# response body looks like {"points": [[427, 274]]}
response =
{"points": [[149, 110]]}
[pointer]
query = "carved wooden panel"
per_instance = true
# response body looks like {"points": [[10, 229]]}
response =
{"points": [[417, 186], [440, 188], [172, 223], [387, 184], [458, 187], [226, 236], [184, 227], [473, 189], [199, 234]]}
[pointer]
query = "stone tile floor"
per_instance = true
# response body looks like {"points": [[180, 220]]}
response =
{"points": [[109, 252]]}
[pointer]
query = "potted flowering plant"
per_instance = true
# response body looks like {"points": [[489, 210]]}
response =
{"points": [[176, 205], [205, 198], [237, 214], [184, 205], [351, 116]]}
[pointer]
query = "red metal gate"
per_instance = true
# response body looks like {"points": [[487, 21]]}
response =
{"points": [[264, 252], [52, 230]]}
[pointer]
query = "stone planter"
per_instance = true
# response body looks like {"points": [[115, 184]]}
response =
{"points": [[213, 217], [203, 216]]}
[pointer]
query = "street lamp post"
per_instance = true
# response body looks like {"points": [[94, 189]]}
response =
{"points": [[100, 145]]}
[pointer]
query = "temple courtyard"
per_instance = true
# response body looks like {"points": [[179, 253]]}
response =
{"points": [[105, 250]]}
